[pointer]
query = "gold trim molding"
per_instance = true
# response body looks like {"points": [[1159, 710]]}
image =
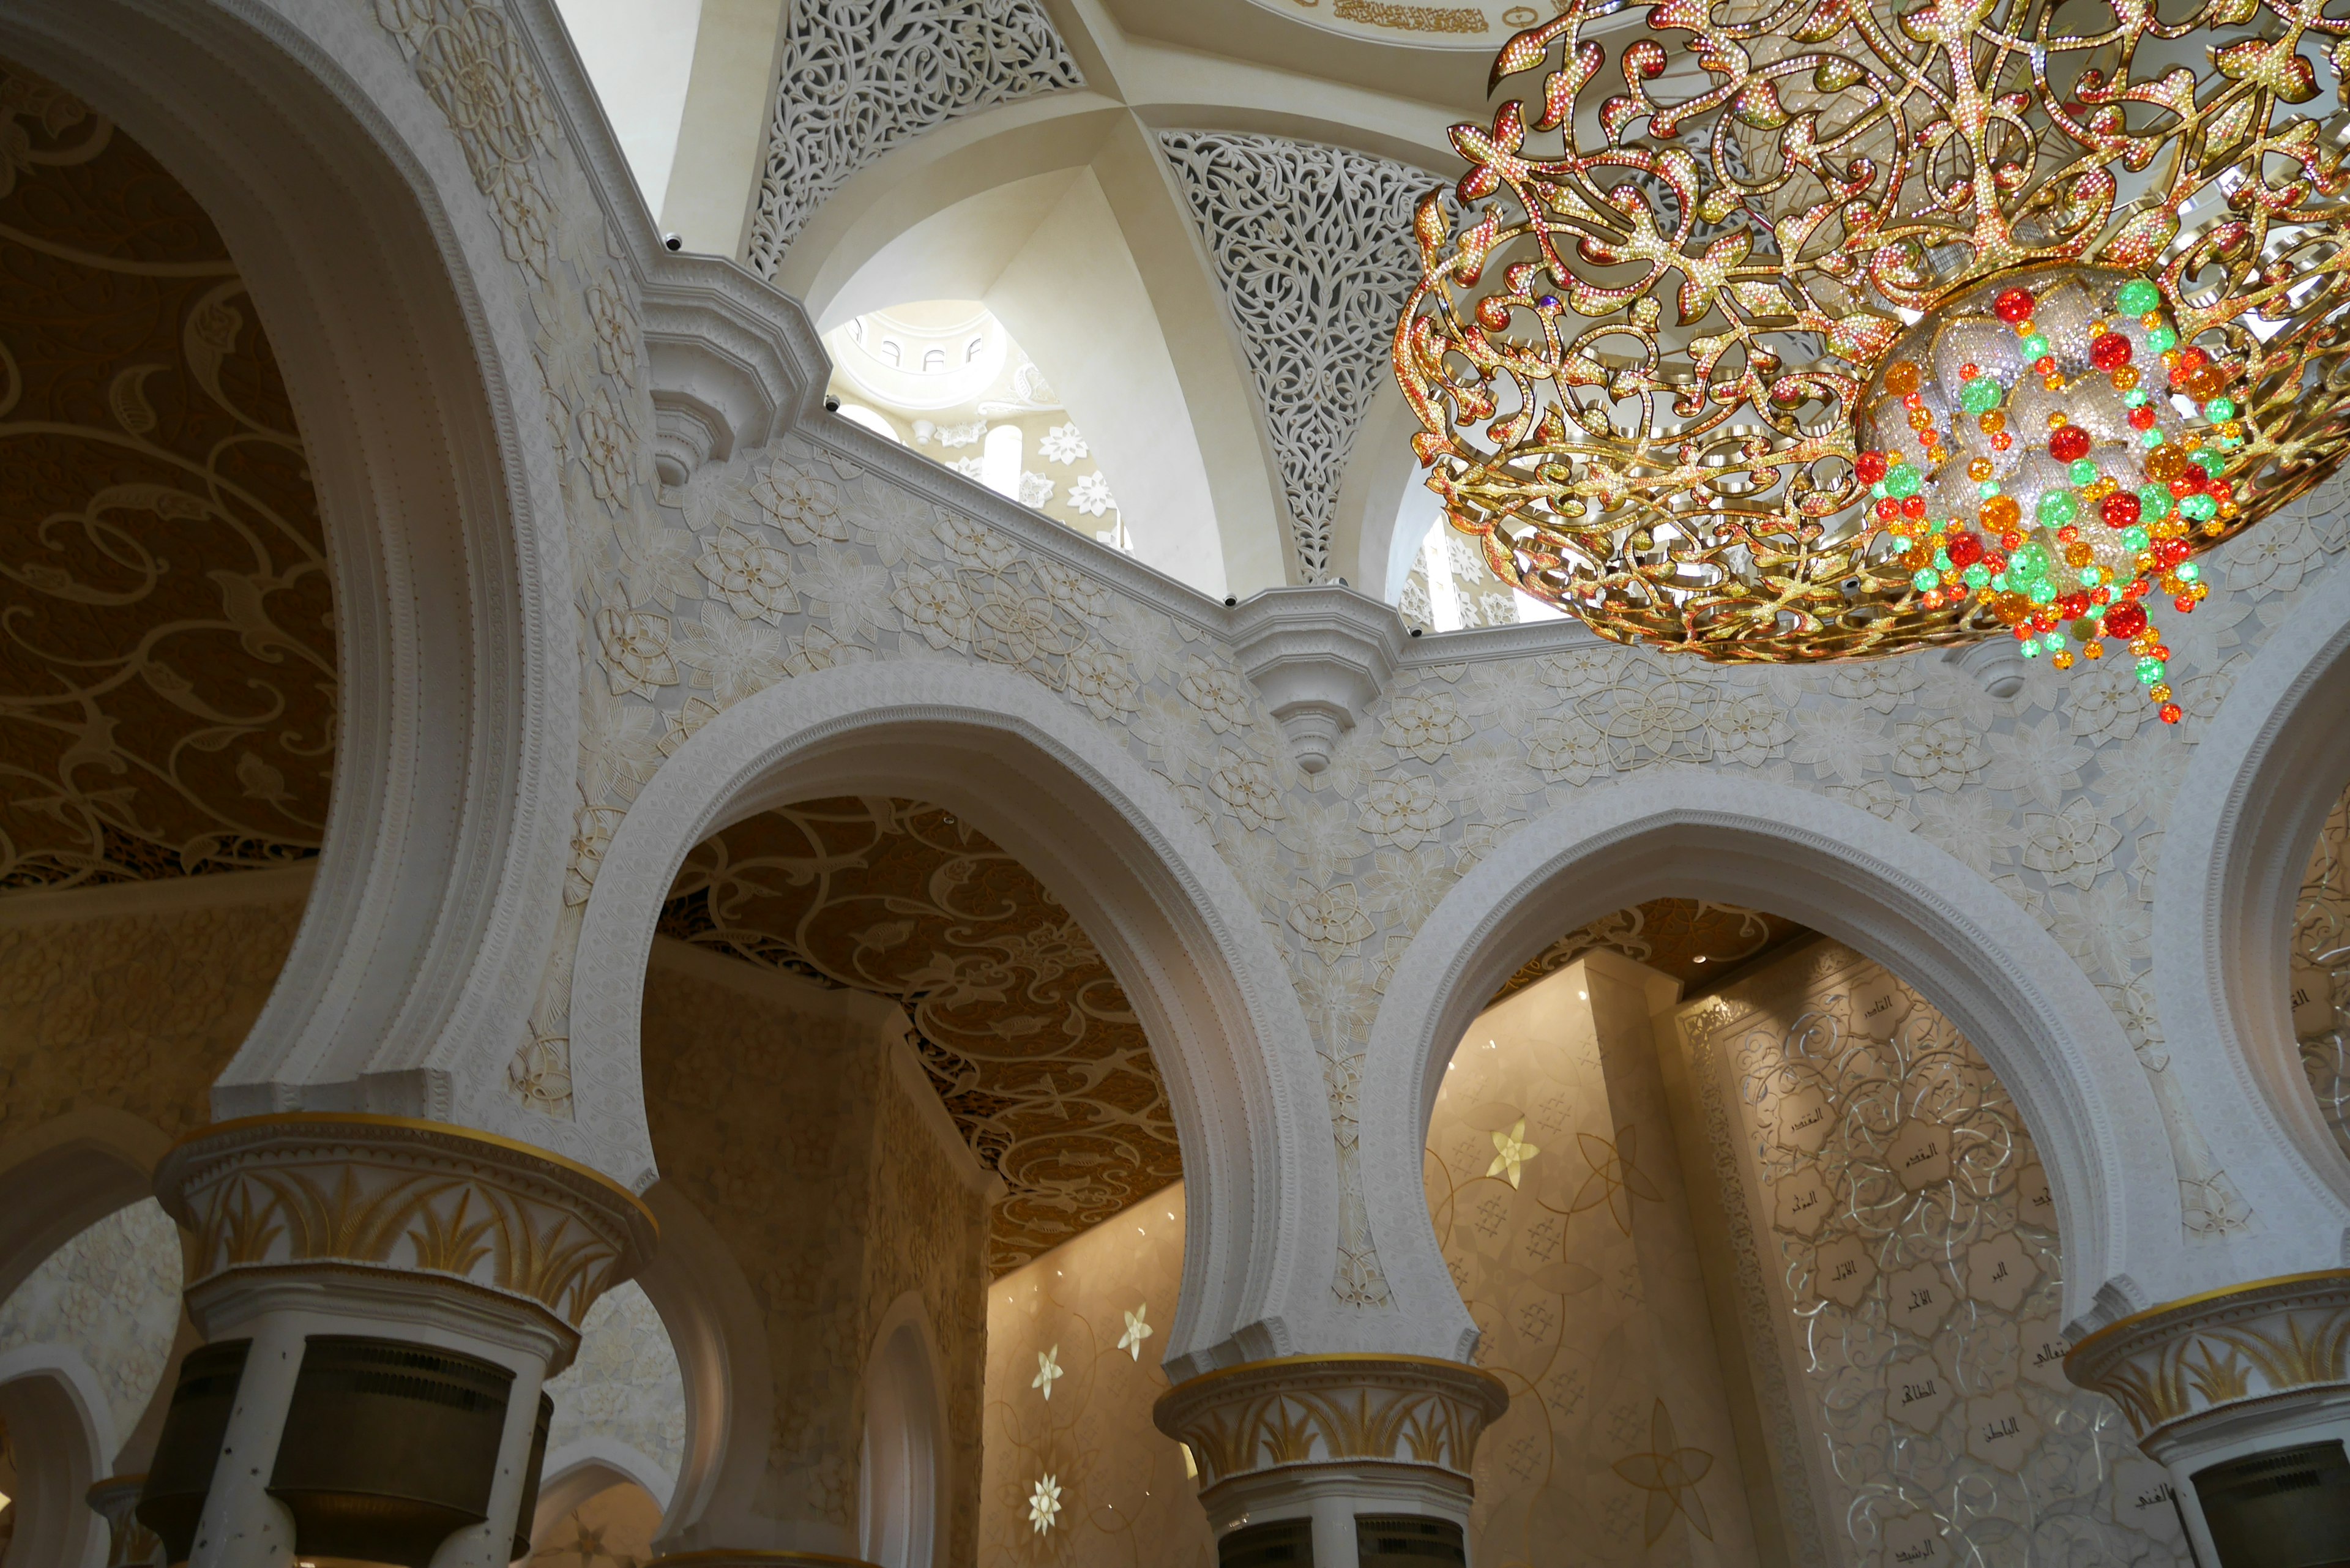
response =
{"points": [[417, 1198], [2220, 1350], [1311, 1410]]}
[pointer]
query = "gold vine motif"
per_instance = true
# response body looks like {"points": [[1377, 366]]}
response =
{"points": [[1636, 359], [168, 685], [1411, 18]]}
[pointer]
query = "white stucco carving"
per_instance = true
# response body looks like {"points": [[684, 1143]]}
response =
{"points": [[1313, 247], [860, 77], [1314, 911]]}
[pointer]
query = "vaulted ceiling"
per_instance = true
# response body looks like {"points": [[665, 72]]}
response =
{"points": [[167, 643]]}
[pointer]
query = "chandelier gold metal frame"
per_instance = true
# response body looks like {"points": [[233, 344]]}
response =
{"points": [[1718, 346]]}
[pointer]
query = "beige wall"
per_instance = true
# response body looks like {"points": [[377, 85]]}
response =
{"points": [[776, 1108], [1124, 1499], [2321, 971], [133, 998], [1583, 1275], [1892, 1283]]}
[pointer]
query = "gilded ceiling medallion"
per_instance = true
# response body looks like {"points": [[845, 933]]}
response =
{"points": [[1806, 330], [168, 689]]}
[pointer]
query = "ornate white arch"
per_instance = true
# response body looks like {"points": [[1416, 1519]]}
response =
{"points": [[59, 1178], [1119, 851], [908, 1481], [373, 260], [2241, 831], [1974, 953], [56, 1410]]}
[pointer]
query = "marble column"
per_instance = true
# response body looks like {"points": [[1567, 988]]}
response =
{"points": [[433, 1238], [2243, 1395], [1324, 1445]]}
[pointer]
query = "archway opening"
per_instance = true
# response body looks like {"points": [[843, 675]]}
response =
{"points": [[904, 1458], [614, 1523], [2318, 980], [887, 1065], [946, 378], [1768, 1260], [86, 1342]]}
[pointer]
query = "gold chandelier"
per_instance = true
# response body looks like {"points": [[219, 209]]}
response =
{"points": [[1848, 331]]}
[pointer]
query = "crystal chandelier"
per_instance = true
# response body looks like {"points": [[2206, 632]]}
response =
{"points": [[1850, 331]]}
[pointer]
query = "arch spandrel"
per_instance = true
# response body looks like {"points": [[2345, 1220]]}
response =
{"points": [[1971, 950], [1115, 849]]}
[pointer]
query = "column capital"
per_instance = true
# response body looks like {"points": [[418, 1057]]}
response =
{"points": [[2187, 1364], [1300, 1414], [285, 1196]]}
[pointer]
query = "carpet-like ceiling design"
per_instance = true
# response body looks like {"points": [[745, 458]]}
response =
{"points": [[1026, 1033], [1695, 942], [167, 643]]}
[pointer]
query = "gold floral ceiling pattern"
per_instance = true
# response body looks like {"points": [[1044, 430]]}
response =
{"points": [[1687, 938], [1027, 1036], [167, 642]]}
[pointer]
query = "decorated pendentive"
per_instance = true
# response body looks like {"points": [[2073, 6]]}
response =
{"points": [[1798, 331]]}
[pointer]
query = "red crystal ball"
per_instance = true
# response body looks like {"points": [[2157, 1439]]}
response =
{"points": [[2013, 305], [1965, 550], [2126, 619], [1869, 466], [2120, 510], [2110, 352], [2070, 442]]}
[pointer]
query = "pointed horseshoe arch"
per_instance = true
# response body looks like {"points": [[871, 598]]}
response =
{"points": [[1975, 955], [1113, 845]]}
